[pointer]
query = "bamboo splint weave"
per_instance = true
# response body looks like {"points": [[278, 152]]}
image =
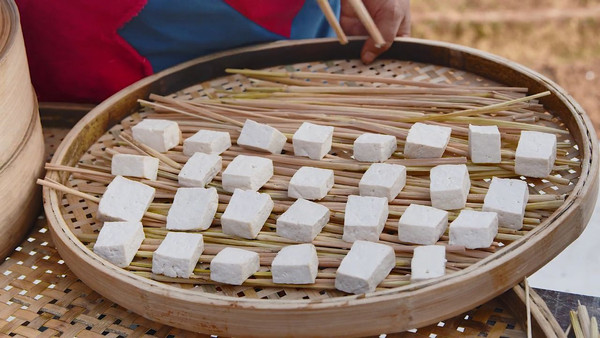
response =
{"points": [[259, 307], [41, 297], [80, 214]]}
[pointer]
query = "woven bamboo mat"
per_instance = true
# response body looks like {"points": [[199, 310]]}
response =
{"points": [[80, 214], [41, 297]]}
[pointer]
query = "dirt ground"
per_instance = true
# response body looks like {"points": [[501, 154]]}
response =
{"points": [[558, 38]]}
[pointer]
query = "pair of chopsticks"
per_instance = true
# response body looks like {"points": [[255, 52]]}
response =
{"points": [[363, 16]]}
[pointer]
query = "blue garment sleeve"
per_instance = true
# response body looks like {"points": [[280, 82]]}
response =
{"points": [[168, 32]]}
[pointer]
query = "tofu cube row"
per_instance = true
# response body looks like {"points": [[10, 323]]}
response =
{"points": [[310, 140], [294, 264], [314, 141], [365, 266], [179, 252], [424, 225], [534, 157]]}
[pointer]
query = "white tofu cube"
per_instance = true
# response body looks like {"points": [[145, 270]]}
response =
{"points": [[125, 200], [484, 144], [508, 197], [370, 147], [302, 221], [422, 224], [193, 209], [449, 186], [247, 173], [535, 154], [233, 266], [426, 141], [428, 262], [119, 241], [383, 180], [135, 166], [178, 254], [295, 264], [246, 213], [259, 136], [207, 141], [312, 140], [474, 229], [310, 183], [199, 170], [364, 267], [364, 218], [160, 135]]}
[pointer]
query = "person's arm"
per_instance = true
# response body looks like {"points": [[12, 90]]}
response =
{"points": [[392, 17]]}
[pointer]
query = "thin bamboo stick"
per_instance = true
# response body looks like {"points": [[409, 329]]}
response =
{"points": [[185, 105], [584, 319], [373, 90], [59, 187], [359, 78], [487, 109], [62, 188], [528, 308], [274, 104], [594, 328], [507, 124], [577, 330], [332, 19], [163, 158], [367, 21]]}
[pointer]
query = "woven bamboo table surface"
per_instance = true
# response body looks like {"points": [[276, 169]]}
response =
{"points": [[40, 296]]}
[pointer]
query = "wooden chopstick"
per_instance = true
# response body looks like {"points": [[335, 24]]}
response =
{"points": [[330, 16], [367, 21]]}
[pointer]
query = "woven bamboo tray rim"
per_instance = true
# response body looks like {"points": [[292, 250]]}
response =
{"points": [[228, 80], [586, 186], [233, 81]]}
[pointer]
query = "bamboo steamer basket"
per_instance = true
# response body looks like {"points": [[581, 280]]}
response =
{"points": [[22, 155], [391, 310]]}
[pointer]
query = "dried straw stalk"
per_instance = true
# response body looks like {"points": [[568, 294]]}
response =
{"points": [[370, 108]]}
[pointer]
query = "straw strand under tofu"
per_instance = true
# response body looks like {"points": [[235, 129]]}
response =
{"points": [[382, 105]]}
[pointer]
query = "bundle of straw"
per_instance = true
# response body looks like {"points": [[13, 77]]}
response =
{"points": [[353, 104], [583, 325]]}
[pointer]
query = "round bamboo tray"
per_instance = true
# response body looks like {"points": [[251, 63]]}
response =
{"points": [[234, 311], [21, 138]]}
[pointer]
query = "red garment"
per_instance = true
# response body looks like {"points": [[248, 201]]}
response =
{"points": [[76, 54], [74, 50], [273, 15]]}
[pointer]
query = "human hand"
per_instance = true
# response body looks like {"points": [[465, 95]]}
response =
{"points": [[392, 18]]}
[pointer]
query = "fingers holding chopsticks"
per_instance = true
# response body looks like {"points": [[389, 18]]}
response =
{"points": [[382, 20]]}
